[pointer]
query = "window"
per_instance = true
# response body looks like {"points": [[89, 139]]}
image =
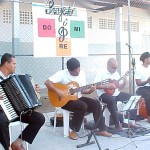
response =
{"points": [[6, 16], [25, 17], [102, 23], [106, 24], [89, 22], [109, 24], [134, 26]]}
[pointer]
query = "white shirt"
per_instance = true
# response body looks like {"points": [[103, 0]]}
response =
{"points": [[103, 75], [143, 74], [2, 75], [65, 77]]}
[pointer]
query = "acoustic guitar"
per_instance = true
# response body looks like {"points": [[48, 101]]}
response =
{"points": [[116, 82], [71, 89]]}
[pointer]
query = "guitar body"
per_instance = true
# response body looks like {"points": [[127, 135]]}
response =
{"points": [[112, 91], [60, 102]]}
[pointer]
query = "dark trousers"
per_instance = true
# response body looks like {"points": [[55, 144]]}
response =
{"points": [[111, 102], [79, 109], [34, 120], [145, 92]]}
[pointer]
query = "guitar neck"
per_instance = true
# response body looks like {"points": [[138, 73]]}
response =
{"points": [[79, 89]]}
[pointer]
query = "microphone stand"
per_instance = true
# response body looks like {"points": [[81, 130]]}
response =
{"points": [[131, 69], [92, 129], [133, 74]]}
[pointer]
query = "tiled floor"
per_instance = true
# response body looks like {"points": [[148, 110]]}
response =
{"points": [[47, 139]]}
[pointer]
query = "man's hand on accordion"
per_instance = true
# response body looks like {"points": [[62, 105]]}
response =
{"points": [[37, 88], [1, 97]]}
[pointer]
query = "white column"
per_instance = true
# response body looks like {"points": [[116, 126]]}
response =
{"points": [[15, 26], [118, 29]]}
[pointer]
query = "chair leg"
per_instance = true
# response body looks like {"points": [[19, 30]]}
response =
{"points": [[55, 119], [107, 117], [66, 122], [10, 134], [22, 128], [27, 146]]}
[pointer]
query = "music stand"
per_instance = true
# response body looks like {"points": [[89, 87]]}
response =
{"points": [[92, 132], [130, 105]]}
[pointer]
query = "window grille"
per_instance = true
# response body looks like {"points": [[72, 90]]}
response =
{"points": [[109, 24], [134, 26], [25, 17], [89, 22], [6, 16]]}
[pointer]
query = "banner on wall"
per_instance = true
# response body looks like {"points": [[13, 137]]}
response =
{"points": [[59, 31]]}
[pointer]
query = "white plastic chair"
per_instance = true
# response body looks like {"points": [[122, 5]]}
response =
{"points": [[106, 112], [66, 115], [65, 120], [16, 123]]}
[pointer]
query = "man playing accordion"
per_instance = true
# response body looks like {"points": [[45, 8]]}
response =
{"points": [[35, 120]]}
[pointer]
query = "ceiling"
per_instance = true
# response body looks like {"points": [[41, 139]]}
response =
{"points": [[103, 5], [98, 5]]}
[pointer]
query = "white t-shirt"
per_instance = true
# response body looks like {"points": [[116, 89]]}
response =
{"points": [[143, 74], [2, 75], [65, 77], [103, 75]]}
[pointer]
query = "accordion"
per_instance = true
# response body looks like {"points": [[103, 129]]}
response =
{"points": [[18, 95]]}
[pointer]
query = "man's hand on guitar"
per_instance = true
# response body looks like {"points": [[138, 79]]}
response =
{"points": [[61, 93], [90, 90]]}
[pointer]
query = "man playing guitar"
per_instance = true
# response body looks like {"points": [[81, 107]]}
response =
{"points": [[80, 105], [111, 94]]}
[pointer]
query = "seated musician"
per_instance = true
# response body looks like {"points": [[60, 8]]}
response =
{"points": [[81, 105], [142, 79], [110, 93], [35, 120]]}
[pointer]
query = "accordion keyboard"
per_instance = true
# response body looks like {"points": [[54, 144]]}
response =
{"points": [[7, 107]]}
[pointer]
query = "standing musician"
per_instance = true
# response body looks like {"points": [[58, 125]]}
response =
{"points": [[35, 120], [142, 79], [82, 104], [110, 93]]}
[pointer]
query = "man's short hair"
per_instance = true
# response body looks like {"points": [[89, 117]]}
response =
{"points": [[6, 58], [72, 64], [144, 56]]}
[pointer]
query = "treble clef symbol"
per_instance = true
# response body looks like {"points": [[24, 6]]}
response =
{"points": [[63, 31]]}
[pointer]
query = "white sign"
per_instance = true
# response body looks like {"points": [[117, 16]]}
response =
{"points": [[59, 31]]}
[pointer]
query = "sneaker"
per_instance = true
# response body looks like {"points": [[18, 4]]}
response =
{"points": [[73, 135], [103, 133]]}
